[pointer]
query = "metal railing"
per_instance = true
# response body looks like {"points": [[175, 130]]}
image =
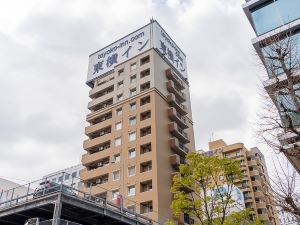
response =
{"points": [[73, 187], [60, 222]]}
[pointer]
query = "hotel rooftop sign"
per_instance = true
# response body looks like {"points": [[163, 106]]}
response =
{"points": [[150, 36]]}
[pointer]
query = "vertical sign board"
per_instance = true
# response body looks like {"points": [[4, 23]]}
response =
{"points": [[168, 48], [149, 36], [107, 58]]}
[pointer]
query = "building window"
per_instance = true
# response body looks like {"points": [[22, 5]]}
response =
{"points": [[131, 208], [145, 115], [221, 177], [146, 207], [145, 73], [118, 141], [116, 175], [145, 100], [118, 126], [120, 97], [133, 79], [74, 174], [145, 131], [146, 186], [146, 148], [131, 153], [145, 86], [120, 84], [131, 190], [238, 152], [115, 194], [145, 60], [132, 106], [120, 72], [133, 92], [132, 121], [119, 112], [132, 136], [131, 171], [146, 166], [117, 158], [132, 66], [60, 179], [67, 176]]}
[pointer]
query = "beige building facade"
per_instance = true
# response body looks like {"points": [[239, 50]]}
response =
{"points": [[140, 128], [255, 184]]}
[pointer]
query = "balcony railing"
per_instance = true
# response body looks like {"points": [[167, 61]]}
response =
{"points": [[172, 76], [173, 89], [179, 119], [178, 147], [178, 132], [177, 104]]}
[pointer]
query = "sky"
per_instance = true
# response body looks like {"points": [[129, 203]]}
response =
{"points": [[44, 49]]}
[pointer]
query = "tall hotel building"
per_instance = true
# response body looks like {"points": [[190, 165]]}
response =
{"points": [[269, 19], [140, 121], [255, 183]]}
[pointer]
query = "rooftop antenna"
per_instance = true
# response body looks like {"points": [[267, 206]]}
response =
{"points": [[212, 137], [151, 19]]}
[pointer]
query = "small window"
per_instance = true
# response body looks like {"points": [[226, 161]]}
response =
{"points": [[120, 97], [115, 194], [131, 190], [116, 175], [146, 186], [132, 136], [146, 166], [132, 120], [120, 84], [54, 180], [145, 100], [145, 148], [145, 73], [132, 66], [133, 92], [221, 177], [118, 141], [67, 176], [133, 79], [146, 207], [121, 72], [131, 153], [118, 126], [145, 86], [131, 171], [74, 174], [131, 208], [119, 112], [117, 158], [60, 179], [132, 106], [145, 60], [145, 115], [145, 131]]}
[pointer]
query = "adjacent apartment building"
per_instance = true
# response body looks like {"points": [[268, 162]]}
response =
{"points": [[280, 19], [140, 123], [255, 184]]}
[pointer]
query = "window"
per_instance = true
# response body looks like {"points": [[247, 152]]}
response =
{"points": [[133, 92], [145, 100], [146, 166], [116, 175], [132, 106], [221, 177], [132, 66], [131, 171], [74, 174], [120, 84], [120, 97], [145, 131], [115, 194], [117, 158], [132, 121], [131, 153], [146, 186], [67, 176], [145, 115], [259, 211], [145, 60], [60, 179], [118, 141], [131, 190], [132, 136], [145, 73], [131, 208], [120, 72], [133, 79], [238, 152], [146, 207], [118, 126], [145, 148], [119, 112], [145, 86], [54, 180]]}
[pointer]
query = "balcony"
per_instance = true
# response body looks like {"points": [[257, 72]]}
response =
{"points": [[258, 194], [176, 160], [261, 205], [252, 163], [178, 132], [174, 89], [263, 216], [179, 119], [254, 173], [178, 147], [172, 76], [175, 103]]}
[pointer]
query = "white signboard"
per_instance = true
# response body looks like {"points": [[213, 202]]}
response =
{"points": [[168, 48], [149, 36]]}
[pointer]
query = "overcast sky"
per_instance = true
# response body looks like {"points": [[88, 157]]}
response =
{"points": [[44, 48]]}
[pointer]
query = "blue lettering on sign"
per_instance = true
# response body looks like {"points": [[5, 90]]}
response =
{"points": [[143, 46], [98, 66], [127, 51], [112, 60]]}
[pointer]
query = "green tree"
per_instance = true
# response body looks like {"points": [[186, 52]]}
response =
{"points": [[204, 188]]}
